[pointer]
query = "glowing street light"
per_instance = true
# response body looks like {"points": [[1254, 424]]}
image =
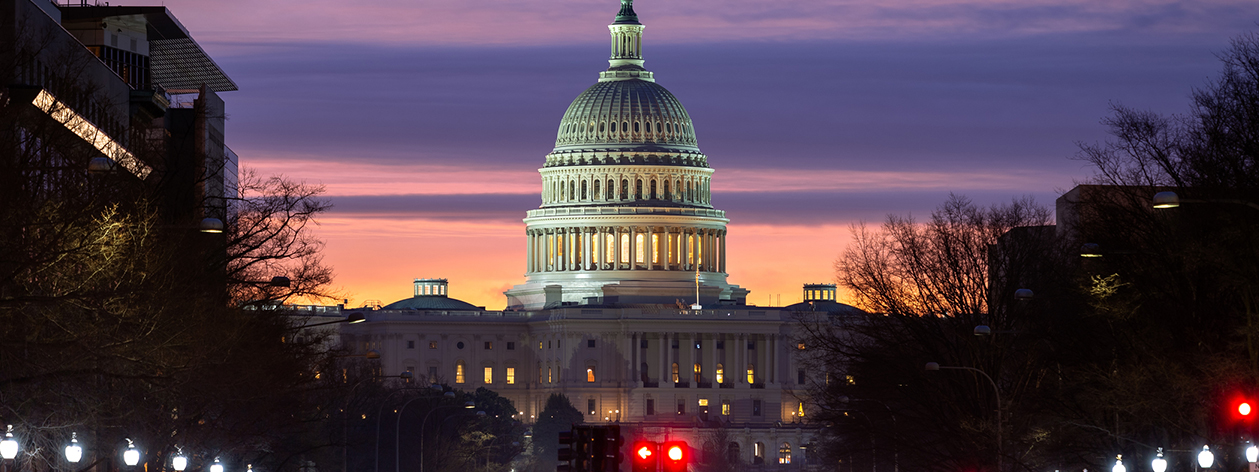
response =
{"points": [[132, 455], [1206, 458], [180, 461], [8, 447], [1252, 454], [74, 453], [1159, 464], [217, 467], [1119, 465]]}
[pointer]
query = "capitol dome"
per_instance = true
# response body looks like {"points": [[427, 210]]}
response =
{"points": [[634, 114]]}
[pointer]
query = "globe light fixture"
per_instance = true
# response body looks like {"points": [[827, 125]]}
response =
{"points": [[1206, 458], [1166, 200], [1159, 464], [8, 447], [1119, 465], [179, 462], [74, 453], [217, 467], [1252, 454], [132, 455]]}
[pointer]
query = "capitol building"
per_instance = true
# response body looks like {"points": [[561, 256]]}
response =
{"points": [[626, 308]]}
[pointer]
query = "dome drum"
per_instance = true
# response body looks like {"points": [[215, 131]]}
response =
{"points": [[626, 184], [582, 157]]}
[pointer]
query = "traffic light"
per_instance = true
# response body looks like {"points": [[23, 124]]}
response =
{"points": [[615, 444], [581, 449], [645, 456], [598, 449], [676, 456]]}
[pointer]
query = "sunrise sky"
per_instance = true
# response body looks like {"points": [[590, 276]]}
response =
{"points": [[427, 120]]}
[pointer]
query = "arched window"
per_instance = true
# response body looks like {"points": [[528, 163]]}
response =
{"points": [[784, 454], [732, 453], [758, 453], [698, 370], [611, 189], [459, 372], [625, 248], [638, 189], [590, 373], [624, 126], [572, 190], [652, 195], [635, 127], [751, 373], [675, 373], [667, 195], [624, 189], [721, 374], [638, 249], [596, 192], [583, 190], [601, 126]]}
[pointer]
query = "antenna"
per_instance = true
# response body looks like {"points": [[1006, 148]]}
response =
{"points": [[697, 306]]}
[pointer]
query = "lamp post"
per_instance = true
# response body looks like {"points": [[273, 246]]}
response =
{"points": [[179, 462], [896, 448], [397, 430], [8, 447], [345, 410], [933, 366], [422, 424], [1159, 464], [74, 453], [380, 411]]}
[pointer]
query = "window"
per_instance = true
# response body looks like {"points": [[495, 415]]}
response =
{"points": [[590, 406], [752, 345], [697, 372], [459, 345], [675, 343], [432, 374], [590, 343], [590, 374], [681, 406], [721, 344], [549, 378], [511, 346], [489, 345], [800, 410], [675, 373], [721, 374], [410, 344], [756, 408], [539, 344], [784, 454], [511, 375], [800, 346], [459, 372], [703, 402], [642, 343], [489, 375], [758, 453], [725, 407], [548, 344], [410, 370], [751, 373], [800, 376], [651, 406], [432, 344]]}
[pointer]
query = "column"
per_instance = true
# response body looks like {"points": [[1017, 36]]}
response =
{"points": [[666, 375], [713, 360], [662, 249], [529, 262], [616, 248], [723, 252], [741, 358], [649, 248], [586, 235], [633, 245]]}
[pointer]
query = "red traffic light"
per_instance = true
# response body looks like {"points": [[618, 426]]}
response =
{"points": [[1243, 408], [676, 456], [646, 457]]}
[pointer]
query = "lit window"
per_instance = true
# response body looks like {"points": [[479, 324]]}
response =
{"points": [[703, 402], [721, 374], [590, 406], [784, 454], [800, 410], [675, 373], [549, 378], [459, 372], [539, 344], [432, 344], [489, 375], [725, 407], [697, 372], [800, 346], [489, 345], [511, 375], [590, 374], [751, 373]]}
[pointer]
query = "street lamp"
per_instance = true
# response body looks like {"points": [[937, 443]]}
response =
{"points": [[345, 409], [1252, 454], [396, 464], [74, 453], [217, 467], [1119, 465], [179, 462], [381, 410], [1168, 199], [1159, 464], [1206, 458], [132, 455], [934, 366], [896, 451], [8, 447]]}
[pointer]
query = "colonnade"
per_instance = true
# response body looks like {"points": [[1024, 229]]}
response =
{"points": [[586, 248], [619, 187], [704, 360]]}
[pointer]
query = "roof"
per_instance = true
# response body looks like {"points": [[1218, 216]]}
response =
{"points": [[826, 306], [176, 61], [430, 302]]}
